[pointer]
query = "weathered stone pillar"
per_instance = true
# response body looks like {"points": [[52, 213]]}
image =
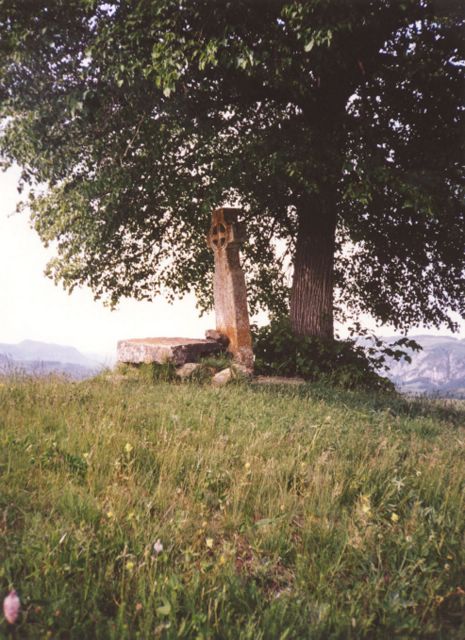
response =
{"points": [[232, 317]]}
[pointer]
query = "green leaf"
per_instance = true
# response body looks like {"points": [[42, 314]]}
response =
{"points": [[309, 46], [265, 522]]}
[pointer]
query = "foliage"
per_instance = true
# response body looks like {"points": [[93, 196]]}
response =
{"points": [[279, 511], [280, 352], [378, 351], [140, 117], [147, 372], [218, 362]]}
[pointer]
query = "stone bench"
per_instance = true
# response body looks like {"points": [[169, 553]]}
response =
{"points": [[177, 351]]}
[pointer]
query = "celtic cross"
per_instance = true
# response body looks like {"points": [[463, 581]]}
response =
{"points": [[232, 317]]}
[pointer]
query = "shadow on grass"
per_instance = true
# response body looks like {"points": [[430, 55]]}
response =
{"points": [[449, 410]]}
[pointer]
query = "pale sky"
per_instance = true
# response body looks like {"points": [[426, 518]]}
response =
{"points": [[32, 307]]}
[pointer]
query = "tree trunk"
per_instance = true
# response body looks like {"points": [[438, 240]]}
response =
{"points": [[312, 286]]}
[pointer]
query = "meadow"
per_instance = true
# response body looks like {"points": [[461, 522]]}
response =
{"points": [[142, 510]]}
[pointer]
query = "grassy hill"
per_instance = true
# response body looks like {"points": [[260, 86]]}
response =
{"points": [[283, 513]]}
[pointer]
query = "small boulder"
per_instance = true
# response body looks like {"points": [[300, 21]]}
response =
{"points": [[222, 377], [234, 372], [187, 370], [278, 380]]}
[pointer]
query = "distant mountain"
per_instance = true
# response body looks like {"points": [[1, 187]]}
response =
{"points": [[439, 369], [33, 350], [40, 358]]}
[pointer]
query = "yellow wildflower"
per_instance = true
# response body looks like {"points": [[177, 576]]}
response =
{"points": [[366, 505]]}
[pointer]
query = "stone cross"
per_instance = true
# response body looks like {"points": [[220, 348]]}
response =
{"points": [[232, 317]]}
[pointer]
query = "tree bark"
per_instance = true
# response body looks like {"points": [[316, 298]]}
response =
{"points": [[312, 286]]}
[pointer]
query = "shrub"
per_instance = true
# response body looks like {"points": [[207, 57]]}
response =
{"points": [[279, 351]]}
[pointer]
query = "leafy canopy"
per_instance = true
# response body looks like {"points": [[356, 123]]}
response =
{"points": [[140, 117]]}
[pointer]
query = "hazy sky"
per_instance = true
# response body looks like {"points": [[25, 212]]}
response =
{"points": [[32, 307]]}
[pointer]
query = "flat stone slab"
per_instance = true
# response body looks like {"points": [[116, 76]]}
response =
{"points": [[162, 350], [278, 380]]}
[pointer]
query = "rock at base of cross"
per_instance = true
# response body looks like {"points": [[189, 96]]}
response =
{"points": [[235, 372], [187, 370], [278, 380], [213, 334]]}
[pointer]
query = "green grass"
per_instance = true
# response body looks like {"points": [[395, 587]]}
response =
{"points": [[284, 513]]}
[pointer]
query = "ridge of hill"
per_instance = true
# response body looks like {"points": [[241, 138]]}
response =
{"points": [[438, 369], [42, 358]]}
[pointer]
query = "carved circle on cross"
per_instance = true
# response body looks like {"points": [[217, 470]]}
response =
{"points": [[219, 235]]}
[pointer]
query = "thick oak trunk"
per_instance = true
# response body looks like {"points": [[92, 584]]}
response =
{"points": [[312, 287]]}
